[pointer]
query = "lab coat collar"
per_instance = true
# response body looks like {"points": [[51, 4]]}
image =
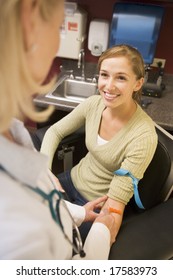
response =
{"points": [[21, 160]]}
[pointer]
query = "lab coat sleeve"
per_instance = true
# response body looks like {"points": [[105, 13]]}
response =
{"points": [[77, 212], [97, 244]]}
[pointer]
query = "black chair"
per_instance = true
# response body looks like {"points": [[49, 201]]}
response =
{"points": [[70, 150], [148, 234], [144, 234]]}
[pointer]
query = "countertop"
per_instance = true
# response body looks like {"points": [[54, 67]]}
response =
{"points": [[160, 109]]}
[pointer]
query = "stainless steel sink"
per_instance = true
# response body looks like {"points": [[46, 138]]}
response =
{"points": [[73, 90]]}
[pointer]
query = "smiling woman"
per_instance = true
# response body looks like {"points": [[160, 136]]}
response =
{"points": [[119, 134], [120, 86]]}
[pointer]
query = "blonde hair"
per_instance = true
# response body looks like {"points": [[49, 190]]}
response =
{"points": [[134, 57], [15, 78]]}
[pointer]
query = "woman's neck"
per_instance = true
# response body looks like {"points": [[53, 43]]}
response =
{"points": [[123, 114]]}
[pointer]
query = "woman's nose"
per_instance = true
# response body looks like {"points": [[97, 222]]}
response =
{"points": [[110, 84]]}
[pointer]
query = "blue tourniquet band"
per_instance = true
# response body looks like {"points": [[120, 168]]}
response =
{"points": [[123, 172]]}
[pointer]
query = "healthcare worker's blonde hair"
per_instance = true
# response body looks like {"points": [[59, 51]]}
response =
{"points": [[15, 77]]}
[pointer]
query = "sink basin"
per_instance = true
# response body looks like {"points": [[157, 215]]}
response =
{"points": [[73, 90]]}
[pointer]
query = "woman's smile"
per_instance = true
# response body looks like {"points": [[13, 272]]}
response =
{"points": [[110, 96]]}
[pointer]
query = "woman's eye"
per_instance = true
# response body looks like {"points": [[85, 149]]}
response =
{"points": [[122, 78], [103, 75]]}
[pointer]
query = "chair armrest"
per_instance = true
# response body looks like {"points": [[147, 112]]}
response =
{"points": [[147, 236]]}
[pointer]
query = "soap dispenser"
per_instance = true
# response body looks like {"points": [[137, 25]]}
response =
{"points": [[98, 36]]}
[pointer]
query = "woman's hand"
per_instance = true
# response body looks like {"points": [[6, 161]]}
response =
{"points": [[93, 205]]}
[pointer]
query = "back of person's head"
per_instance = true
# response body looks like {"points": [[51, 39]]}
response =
{"points": [[17, 84], [134, 57]]}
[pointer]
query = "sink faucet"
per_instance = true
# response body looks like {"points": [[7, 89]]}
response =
{"points": [[81, 63], [66, 72]]}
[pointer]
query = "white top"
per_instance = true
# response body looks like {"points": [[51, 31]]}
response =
{"points": [[27, 228], [101, 141]]}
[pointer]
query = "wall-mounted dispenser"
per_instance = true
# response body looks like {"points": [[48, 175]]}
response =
{"points": [[98, 36], [73, 31]]}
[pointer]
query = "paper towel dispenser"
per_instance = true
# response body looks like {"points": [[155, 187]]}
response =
{"points": [[73, 31], [137, 25], [98, 36]]}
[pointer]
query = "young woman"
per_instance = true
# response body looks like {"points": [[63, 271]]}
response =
{"points": [[119, 134], [35, 222]]}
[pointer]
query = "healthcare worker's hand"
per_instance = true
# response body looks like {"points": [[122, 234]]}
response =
{"points": [[109, 221], [91, 215]]}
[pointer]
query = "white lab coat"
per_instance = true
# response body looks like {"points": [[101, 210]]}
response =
{"points": [[27, 230]]}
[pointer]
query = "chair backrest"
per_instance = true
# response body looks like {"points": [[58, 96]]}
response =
{"points": [[157, 183]]}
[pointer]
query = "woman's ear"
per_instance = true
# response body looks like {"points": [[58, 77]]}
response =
{"points": [[139, 84], [29, 18]]}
